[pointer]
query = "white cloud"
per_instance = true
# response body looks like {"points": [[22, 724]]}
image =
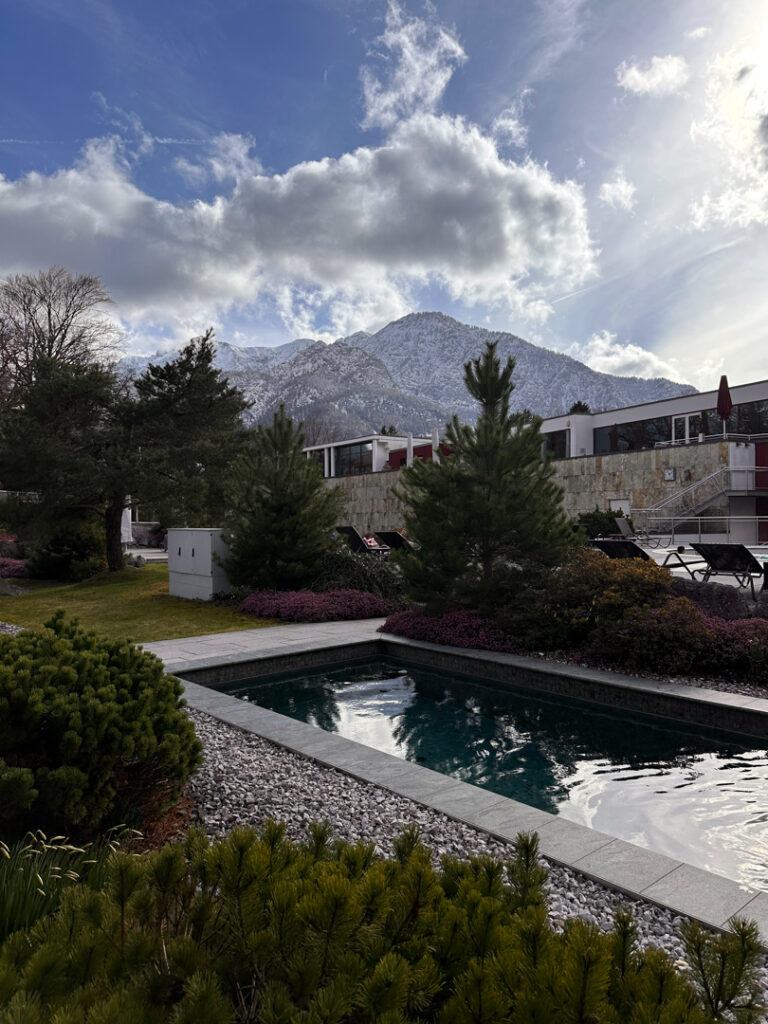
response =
{"points": [[509, 126], [336, 244], [662, 76], [735, 129], [604, 353], [619, 193], [699, 33], [229, 159], [425, 55]]}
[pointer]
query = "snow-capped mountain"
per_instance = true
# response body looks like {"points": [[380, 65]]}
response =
{"points": [[410, 374], [426, 352]]}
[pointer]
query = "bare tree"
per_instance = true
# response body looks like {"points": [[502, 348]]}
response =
{"points": [[321, 430], [53, 314]]}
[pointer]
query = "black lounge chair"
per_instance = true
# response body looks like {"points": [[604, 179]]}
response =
{"points": [[620, 549], [730, 560], [393, 539], [359, 544]]}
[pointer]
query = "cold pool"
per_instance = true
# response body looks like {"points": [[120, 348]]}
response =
{"points": [[694, 793]]}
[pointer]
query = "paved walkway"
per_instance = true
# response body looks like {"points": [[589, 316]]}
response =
{"points": [[198, 652]]}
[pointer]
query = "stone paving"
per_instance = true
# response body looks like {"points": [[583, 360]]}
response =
{"points": [[637, 871]]}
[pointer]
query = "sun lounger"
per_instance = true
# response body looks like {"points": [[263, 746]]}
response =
{"points": [[620, 549], [394, 539], [730, 560], [358, 543], [639, 536], [675, 560]]}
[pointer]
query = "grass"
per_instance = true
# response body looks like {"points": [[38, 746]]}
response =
{"points": [[133, 604]]}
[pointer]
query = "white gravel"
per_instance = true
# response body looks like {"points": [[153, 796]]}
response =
{"points": [[246, 780]]}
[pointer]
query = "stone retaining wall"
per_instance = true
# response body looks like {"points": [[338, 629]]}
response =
{"points": [[370, 503], [634, 477]]}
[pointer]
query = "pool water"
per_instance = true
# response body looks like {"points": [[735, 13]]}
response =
{"points": [[697, 794]]}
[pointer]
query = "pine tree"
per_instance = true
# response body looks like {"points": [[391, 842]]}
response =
{"points": [[283, 516], [488, 515], [84, 441]]}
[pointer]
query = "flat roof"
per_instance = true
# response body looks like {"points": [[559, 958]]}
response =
{"points": [[368, 437], [708, 397]]}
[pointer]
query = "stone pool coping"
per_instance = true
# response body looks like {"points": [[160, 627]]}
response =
{"points": [[636, 871]]}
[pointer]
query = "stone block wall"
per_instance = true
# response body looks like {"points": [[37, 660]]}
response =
{"points": [[636, 477], [370, 503]]}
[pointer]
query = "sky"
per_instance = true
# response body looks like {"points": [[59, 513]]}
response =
{"points": [[589, 175]]}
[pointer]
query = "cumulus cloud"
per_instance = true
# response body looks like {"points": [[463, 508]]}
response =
{"points": [[661, 76], [619, 193], [334, 242], [604, 353], [419, 61], [735, 127], [699, 33]]}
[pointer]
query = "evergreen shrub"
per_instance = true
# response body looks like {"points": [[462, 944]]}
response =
{"points": [[253, 929], [91, 731], [456, 628], [71, 550], [600, 522], [306, 606], [342, 569], [13, 568]]}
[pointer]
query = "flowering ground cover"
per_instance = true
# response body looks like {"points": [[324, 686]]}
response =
{"points": [[307, 606]]}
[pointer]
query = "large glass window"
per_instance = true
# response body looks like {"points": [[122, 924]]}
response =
{"points": [[705, 422], [751, 418], [557, 444], [631, 437], [354, 459]]}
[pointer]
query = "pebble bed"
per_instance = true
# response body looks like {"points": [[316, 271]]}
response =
{"points": [[246, 780]]}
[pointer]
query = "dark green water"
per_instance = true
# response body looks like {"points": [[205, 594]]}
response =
{"points": [[697, 794]]}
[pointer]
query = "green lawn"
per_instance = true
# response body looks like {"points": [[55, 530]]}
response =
{"points": [[133, 604]]}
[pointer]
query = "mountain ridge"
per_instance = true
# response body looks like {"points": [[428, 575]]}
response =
{"points": [[410, 374]]}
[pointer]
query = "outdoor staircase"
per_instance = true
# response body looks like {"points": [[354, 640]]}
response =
{"points": [[692, 500]]}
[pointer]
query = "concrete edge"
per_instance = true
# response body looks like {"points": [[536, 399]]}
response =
{"points": [[674, 885]]}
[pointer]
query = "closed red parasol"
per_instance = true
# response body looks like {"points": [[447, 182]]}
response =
{"points": [[724, 403]]}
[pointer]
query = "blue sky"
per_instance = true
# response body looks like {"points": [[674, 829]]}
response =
{"points": [[590, 175]]}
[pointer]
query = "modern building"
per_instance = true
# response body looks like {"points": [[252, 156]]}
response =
{"points": [[372, 453], [673, 465]]}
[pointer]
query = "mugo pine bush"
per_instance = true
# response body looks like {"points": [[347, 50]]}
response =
{"points": [[253, 929], [90, 730]]}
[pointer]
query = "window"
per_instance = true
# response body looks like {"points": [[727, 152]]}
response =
{"points": [[354, 459], [631, 437], [557, 444]]}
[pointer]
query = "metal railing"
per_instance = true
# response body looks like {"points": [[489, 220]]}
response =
{"points": [[682, 529], [711, 439], [691, 500]]}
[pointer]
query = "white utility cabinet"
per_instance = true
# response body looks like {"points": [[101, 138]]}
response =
{"points": [[193, 571]]}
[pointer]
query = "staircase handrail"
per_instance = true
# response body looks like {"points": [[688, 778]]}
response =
{"points": [[692, 487]]}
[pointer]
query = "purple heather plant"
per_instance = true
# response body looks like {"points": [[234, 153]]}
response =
{"points": [[13, 568], [457, 629], [307, 606]]}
